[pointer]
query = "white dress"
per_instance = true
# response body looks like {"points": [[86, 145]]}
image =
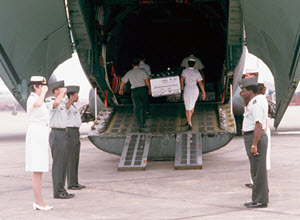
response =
{"points": [[37, 136], [191, 91]]}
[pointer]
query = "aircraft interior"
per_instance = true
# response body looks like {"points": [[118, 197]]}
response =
{"points": [[165, 34]]}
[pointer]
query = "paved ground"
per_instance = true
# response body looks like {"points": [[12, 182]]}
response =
{"points": [[160, 192]]}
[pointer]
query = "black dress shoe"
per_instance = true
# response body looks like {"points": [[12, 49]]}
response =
{"points": [[64, 196], [74, 187], [81, 186], [255, 205], [144, 126], [249, 185], [190, 127]]}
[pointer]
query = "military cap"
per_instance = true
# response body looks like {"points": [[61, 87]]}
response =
{"points": [[74, 89], [37, 80], [191, 59], [248, 82], [57, 85]]}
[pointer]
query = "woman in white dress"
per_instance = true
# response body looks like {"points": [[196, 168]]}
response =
{"points": [[37, 138], [190, 77]]}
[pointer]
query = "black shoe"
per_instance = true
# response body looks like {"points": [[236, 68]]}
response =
{"points": [[148, 113], [144, 126], [74, 187], [81, 186], [249, 185], [186, 123], [255, 205], [140, 129], [64, 195], [190, 127]]}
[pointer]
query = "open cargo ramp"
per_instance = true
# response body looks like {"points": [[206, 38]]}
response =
{"points": [[188, 151], [135, 152]]}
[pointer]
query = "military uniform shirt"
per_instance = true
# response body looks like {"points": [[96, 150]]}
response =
{"points": [[58, 115], [136, 77], [191, 76], [74, 119], [146, 67], [254, 112]]}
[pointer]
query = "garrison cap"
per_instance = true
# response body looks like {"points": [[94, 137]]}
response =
{"points": [[74, 89], [248, 82], [57, 85], [37, 80]]}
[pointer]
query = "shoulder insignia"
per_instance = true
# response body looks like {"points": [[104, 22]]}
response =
{"points": [[254, 102]]}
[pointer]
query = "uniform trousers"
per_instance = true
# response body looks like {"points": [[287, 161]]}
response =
{"points": [[73, 155], [140, 101], [260, 190], [58, 144]]}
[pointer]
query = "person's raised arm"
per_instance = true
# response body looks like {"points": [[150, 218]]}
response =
{"points": [[41, 98], [59, 98]]}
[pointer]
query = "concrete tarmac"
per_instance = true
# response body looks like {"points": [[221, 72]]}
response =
{"points": [[216, 192]]}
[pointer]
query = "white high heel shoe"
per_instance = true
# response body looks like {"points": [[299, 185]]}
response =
{"points": [[42, 208]]}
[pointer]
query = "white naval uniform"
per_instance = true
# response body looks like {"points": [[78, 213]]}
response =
{"points": [[198, 64], [191, 92], [37, 136], [146, 67]]}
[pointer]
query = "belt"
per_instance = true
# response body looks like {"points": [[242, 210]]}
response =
{"points": [[58, 129], [139, 87], [75, 128], [248, 132]]}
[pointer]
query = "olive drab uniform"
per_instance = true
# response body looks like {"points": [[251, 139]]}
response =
{"points": [[73, 124], [58, 145], [139, 95], [255, 112]]}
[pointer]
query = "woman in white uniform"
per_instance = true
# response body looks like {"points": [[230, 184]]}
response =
{"points": [[190, 77], [37, 138]]}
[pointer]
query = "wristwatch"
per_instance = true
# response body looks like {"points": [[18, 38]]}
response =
{"points": [[253, 146]]}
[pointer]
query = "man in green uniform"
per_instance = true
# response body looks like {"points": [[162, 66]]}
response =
{"points": [[140, 83], [58, 139], [73, 125], [256, 142]]}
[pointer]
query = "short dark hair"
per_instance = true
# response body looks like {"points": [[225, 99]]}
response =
{"points": [[261, 89], [70, 93], [32, 89], [254, 88], [135, 61], [191, 63]]}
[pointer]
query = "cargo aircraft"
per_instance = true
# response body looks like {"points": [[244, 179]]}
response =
{"points": [[38, 35]]}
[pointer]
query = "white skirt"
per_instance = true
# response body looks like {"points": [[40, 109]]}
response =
{"points": [[37, 148], [190, 96]]}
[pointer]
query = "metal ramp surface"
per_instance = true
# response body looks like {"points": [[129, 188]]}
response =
{"points": [[188, 151], [135, 152]]}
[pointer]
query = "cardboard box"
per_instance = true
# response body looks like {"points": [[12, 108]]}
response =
{"points": [[165, 86]]}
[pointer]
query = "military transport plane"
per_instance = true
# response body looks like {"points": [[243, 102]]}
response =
{"points": [[36, 36]]}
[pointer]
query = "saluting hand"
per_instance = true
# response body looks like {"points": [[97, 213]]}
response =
{"points": [[63, 90], [44, 89]]}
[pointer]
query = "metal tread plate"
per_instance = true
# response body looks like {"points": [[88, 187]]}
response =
{"points": [[188, 151], [135, 152]]}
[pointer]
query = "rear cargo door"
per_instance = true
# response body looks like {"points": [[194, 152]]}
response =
{"points": [[272, 33]]}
